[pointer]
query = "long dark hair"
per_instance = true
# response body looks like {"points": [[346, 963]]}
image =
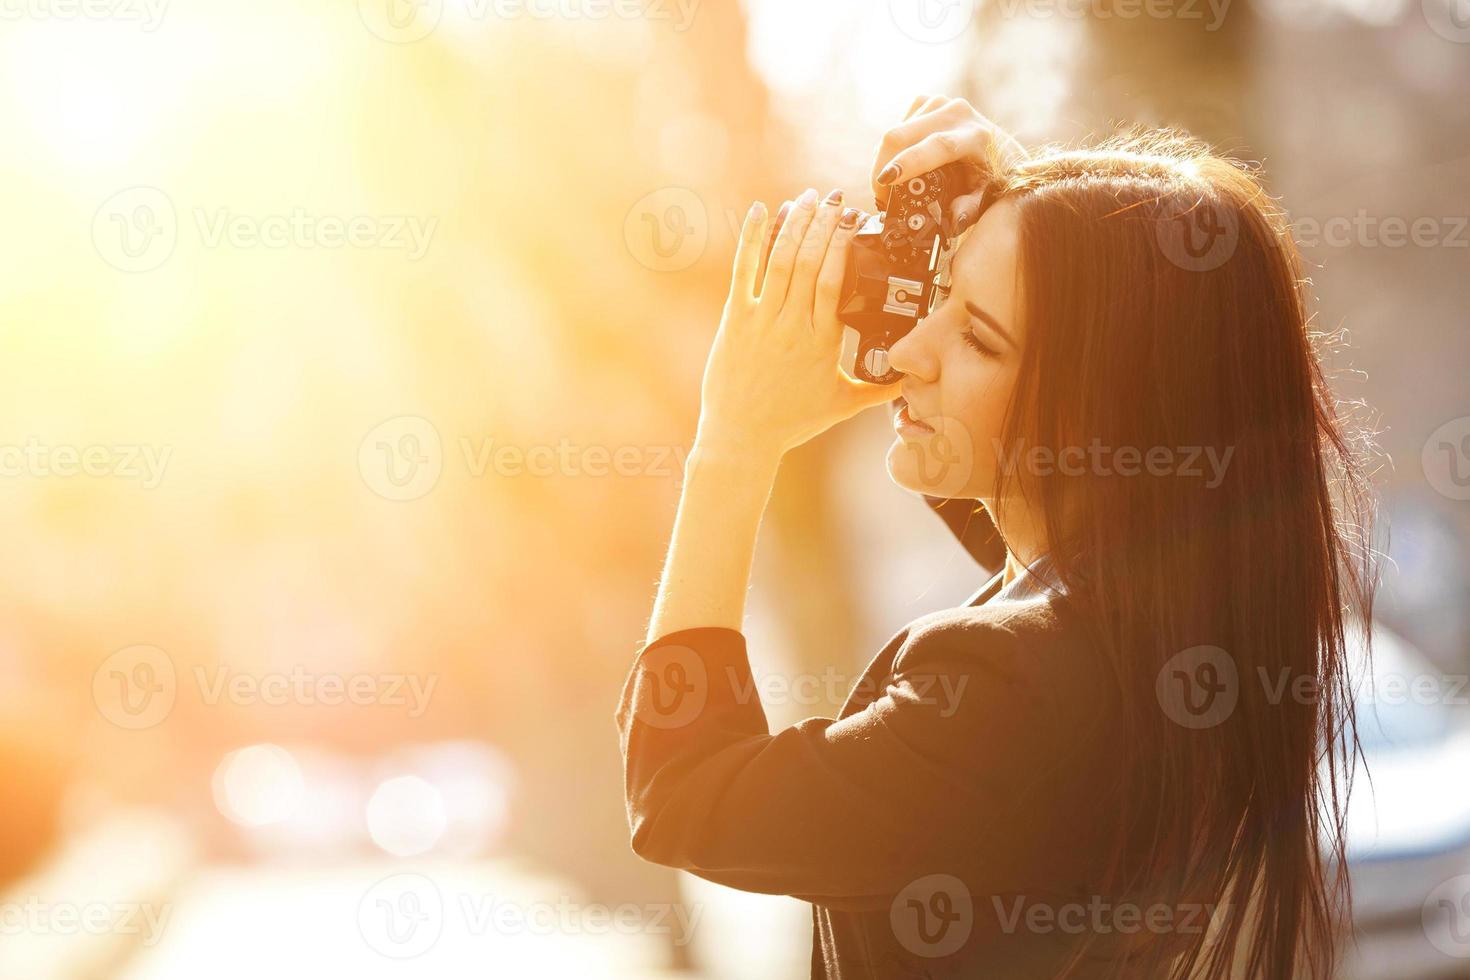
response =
{"points": [[1165, 309]]}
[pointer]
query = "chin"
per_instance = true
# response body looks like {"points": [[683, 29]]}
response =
{"points": [[935, 465]]}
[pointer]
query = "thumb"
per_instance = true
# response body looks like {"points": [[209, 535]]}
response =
{"points": [[861, 394]]}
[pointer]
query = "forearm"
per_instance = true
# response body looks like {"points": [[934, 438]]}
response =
{"points": [[707, 570]]}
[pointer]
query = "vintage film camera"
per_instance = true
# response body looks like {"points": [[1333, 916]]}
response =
{"points": [[897, 271]]}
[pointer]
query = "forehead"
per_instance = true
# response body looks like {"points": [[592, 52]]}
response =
{"points": [[984, 268]]}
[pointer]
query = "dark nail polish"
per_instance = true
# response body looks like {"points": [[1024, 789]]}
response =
{"points": [[849, 218], [888, 174], [833, 197], [963, 221]]}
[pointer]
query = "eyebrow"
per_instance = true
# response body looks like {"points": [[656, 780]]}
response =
{"points": [[990, 322]]}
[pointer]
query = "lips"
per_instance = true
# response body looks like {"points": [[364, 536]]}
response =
{"points": [[903, 417]]}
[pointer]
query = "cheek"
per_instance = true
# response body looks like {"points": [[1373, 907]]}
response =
{"points": [[962, 459], [980, 395]]}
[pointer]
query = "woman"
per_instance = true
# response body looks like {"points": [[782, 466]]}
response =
{"points": [[1106, 763]]}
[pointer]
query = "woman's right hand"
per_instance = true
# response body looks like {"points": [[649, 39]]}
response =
{"points": [[939, 130]]}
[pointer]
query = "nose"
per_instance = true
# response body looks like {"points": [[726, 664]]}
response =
{"points": [[909, 357]]}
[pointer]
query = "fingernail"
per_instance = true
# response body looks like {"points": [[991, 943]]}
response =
{"points": [[808, 198], [781, 214], [962, 222], [834, 196], [757, 211], [849, 218], [888, 174]]}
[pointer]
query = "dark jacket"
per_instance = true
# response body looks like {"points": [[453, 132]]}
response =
{"points": [[950, 823]]}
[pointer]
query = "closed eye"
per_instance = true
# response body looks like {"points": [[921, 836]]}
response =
{"points": [[991, 322], [980, 346]]}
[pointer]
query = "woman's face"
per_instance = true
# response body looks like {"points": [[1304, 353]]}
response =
{"points": [[960, 365]]}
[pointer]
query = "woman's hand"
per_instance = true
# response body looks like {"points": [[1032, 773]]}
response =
{"points": [[772, 380], [939, 130]]}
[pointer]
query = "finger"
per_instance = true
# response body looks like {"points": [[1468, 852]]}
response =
{"points": [[858, 395], [747, 252], [829, 280], [935, 114], [768, 245], [935, 150], [921, 104], [783, 255], [966, 208], [933, 102], [813, 252]]}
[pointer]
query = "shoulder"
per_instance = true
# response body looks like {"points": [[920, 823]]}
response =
{"points": [[1035, 625], [1036, 642], [1003, 691]]}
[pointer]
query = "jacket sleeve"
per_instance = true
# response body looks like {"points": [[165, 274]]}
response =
{"points": [[944, 765]]}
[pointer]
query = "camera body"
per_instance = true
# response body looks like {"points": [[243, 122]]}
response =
{"points": [[897, 271]]}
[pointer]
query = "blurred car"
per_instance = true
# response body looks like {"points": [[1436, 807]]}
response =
{"points": [[1408, 818]]}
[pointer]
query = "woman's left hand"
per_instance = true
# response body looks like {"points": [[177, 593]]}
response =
{"points": [[772, 381]]}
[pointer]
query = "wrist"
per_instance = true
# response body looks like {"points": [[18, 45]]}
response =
{"points": [[735, 447], [734, 456]]}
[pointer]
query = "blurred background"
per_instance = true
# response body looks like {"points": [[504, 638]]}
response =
{"points": [[350, 354]]}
